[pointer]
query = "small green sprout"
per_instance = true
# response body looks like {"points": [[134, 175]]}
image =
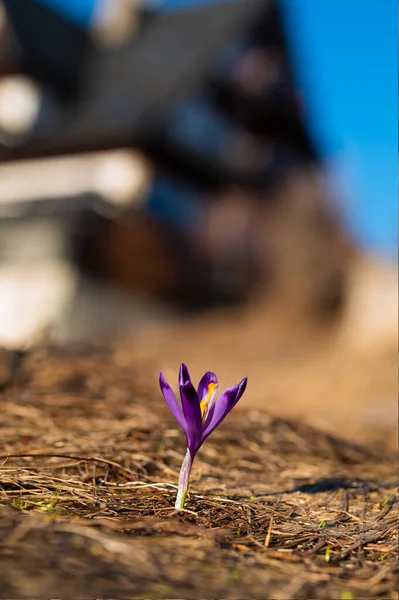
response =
{"points": [[388, 499], [39, 505], [47, 506], [322, 524], [327, 554], [19, 504]]}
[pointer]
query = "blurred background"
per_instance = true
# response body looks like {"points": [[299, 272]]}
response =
{"points": [[213, 182]]}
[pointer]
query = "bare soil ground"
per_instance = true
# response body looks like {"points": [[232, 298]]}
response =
{"points": [[89, 464]]}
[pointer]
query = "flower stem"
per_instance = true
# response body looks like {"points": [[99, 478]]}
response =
{"points": [[183, 481]]}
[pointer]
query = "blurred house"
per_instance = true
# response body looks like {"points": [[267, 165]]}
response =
{"points": [[139, 183]]}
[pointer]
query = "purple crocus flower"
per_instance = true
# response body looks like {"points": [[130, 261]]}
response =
{"points": [[198, 415]]}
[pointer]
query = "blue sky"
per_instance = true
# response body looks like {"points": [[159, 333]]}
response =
{"points": [[346, 59]]}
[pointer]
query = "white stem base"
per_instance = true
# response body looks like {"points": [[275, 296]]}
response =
{"points": [[183, 481]]}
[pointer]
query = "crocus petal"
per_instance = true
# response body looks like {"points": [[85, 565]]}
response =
{"points": [[206, 392], [172, 402], [204, 384], [221, 408], [192, 413], [184, 375]]}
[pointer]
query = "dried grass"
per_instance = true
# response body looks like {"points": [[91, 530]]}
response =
{"points": [[89, 463]]}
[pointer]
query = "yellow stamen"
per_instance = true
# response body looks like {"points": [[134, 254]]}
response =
{"points": [[212, 387]]}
